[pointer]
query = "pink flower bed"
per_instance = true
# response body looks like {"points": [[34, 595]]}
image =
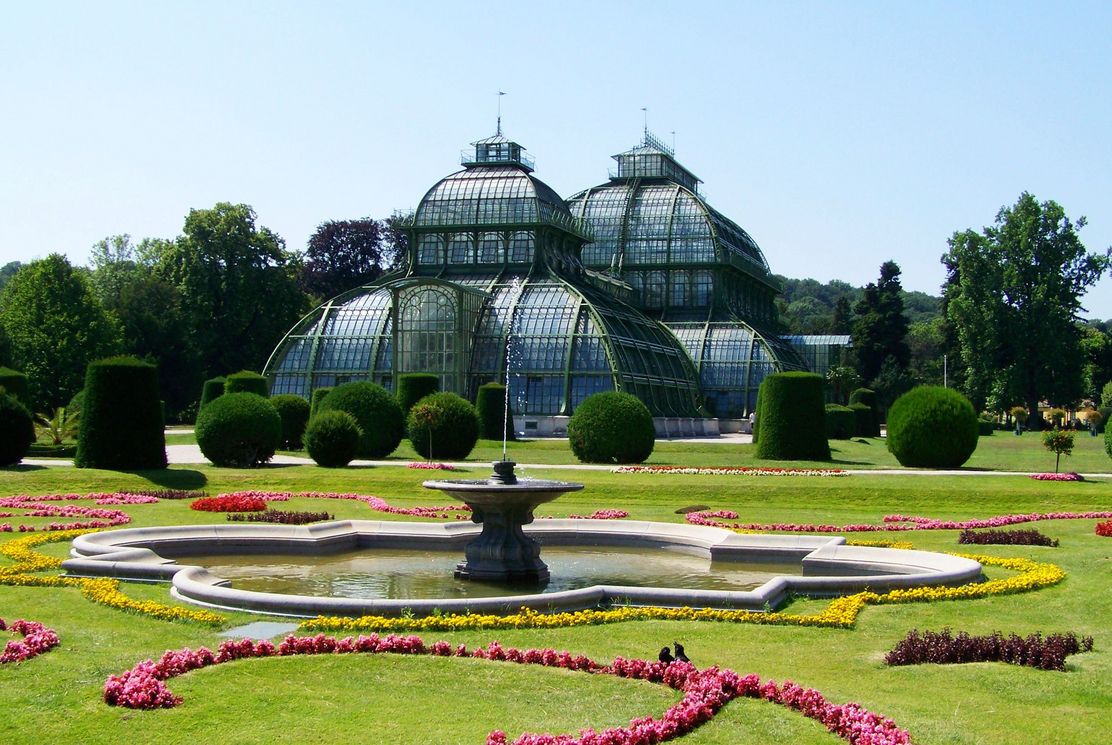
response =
{"points": [[734, 471], [1069, 476], [602, 515], [41, 507], [229, 503], [37, 639], [890, 523], [705, 692], [432, 466], [375, 503]]}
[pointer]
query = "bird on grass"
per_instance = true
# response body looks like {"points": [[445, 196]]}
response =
{"points": [[680, 656], [665, 656]]}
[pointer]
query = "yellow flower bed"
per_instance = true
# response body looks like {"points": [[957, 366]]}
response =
{"points": [[842, 612], [105, 591], [905, 545]]}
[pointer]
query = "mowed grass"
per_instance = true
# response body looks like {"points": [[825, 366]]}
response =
{"points": [[56, 698]]}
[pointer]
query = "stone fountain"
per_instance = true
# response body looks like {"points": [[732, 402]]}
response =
{"points": [[502, 503]]}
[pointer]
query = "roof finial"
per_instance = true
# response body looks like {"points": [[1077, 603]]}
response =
{"points": [[645, 111], [498, 131], [673, 141]]}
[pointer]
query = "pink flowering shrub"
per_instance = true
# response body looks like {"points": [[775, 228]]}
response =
{"points": [[705, 691], [1069, 476], [37, 639], [890, 523]]}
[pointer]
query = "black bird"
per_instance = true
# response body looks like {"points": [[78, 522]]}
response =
{"points": [[665, 656], [680, 656]]}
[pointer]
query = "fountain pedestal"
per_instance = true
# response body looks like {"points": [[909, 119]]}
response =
{"points": [[502, 504]]}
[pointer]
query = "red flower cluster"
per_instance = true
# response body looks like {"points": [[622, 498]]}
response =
{"points": [[1105, 528], [39, 507], [229, 503], [37, 639], [375, 503], [891, 523], [704, 691], [943, 648]]}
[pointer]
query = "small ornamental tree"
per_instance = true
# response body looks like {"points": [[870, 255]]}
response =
{"points": [[1059, 442], [443, 425], [612, 427], [932, 427], [121, 424], [1057, 416], [791, 415], [246, 381], [375, 410], [1019, 415], [1094, 420], [412, 387], [17, 430]]}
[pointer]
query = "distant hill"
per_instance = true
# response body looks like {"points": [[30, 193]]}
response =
{"points": [[807, 305]]}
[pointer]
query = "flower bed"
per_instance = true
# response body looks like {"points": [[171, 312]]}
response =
{"points": [[733, 471], [283, 517], [1007, 538], [705, 692], [41, 507], [375, 503], [229, 503], [1069, 476], [1105, 528], [840, 613], [943, 648], [431, 466], [37, 639], [602, 515], [889, 523]]}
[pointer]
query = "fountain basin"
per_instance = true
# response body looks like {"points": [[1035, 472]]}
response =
{"points": [[829, 567]]}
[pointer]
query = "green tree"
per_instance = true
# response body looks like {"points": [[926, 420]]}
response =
{"points": [[1013, 294], [1096, 351], [880, 328], [237, 286], [8, 271], [56, 327], [1058, 442], [926, 342], [842, 319], [344, 254]]}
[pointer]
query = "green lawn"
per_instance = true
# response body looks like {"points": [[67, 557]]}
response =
{"points": [[56, 698]]}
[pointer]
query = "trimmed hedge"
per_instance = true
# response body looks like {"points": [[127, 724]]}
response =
{"points": [[246, 381], [490, 401], [121, 425], [611, 427], [238, 430], [443, 425], [863, 420], [985, 427], [841, 422], [867, 397], [412, 387], [375, 410], [294, 411], [791, 413], [316, 398], [932, 427], [332, 438], [17, 430], [14, 383], [212, 390]]}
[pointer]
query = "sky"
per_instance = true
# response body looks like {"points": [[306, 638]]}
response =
{"points": [[839, 135]]}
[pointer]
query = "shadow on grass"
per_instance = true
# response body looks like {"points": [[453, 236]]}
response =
{"points": [[23, 468], [175, 478]]}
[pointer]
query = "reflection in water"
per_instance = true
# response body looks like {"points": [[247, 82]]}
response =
{"points": [[394, 574]]}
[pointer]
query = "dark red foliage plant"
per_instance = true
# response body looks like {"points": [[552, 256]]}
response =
{"points": [[945, 648], [1007, 538]]}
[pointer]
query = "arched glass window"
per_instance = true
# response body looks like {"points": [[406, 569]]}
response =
{"points": [[427, 333]]}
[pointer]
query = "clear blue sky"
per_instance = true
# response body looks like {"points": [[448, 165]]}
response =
{"points": [[838, 134]]}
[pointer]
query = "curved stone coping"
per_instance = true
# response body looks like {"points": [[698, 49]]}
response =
{"points": [[829, 566]]}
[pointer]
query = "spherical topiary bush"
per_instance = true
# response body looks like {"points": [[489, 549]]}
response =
{"points": [[375, 410], [246, 381], [490, 401], [412, 387], [841, 422], [294, 411], [791, 415], [866, 397], [332, 438], [212, 390], [316, 398], [443, 425], [238, 430], [14, 383], [611, 427], [932, 427], [17, 430], [121, 424]]}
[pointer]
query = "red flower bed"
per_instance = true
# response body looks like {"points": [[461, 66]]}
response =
{"points": [[705, 692], [943, 648], [1105, 528], [229, 503], [37, 639]]}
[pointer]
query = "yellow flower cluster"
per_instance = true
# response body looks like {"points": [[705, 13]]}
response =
{"points": [[842, 612], [105, 591], [905, 545]]}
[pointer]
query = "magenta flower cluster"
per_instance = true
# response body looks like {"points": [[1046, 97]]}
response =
{"points": [[890, 523], [1068, 476], [375, 503], [705, 691], [36, 640], [608, 514], [40, 507], [945, 648], [431, 466]]}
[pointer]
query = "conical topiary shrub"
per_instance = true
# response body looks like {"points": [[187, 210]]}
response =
{"points": [[121, 417], [792, 418]]}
